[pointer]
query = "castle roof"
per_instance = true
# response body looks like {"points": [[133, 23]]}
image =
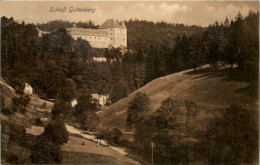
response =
{"points": [[87, 32], [122, 23], [109, 23]]}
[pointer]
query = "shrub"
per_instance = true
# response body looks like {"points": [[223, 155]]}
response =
{"points": [[240, 135], [18, 134], [46, 147], [43, 105], [56, 132], [18, 86], [19, 104], [137, 108], [45, 151], [38, 122], [13, 159], [89, 121], [6, 111], [119, 91], [112, 136], [61, 108], [85, 104], [116, 134]]}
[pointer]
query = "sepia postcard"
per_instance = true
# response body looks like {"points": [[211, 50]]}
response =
{"points": [[130, 82]]}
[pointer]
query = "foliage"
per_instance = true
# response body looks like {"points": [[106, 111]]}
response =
{"points": [[5, 110], [116, 134], [18, 86], [183, 132], [45, 151], [239, 135], [137, 108], [234, 44], [54, 25], [46, 148], [155, 49], [61, 108], [111, 136], [119, 91], [19, 104], [14, 159], [85, 104], [57, 24], [56, 132], [89, 120], [38, 122], [17, 134]]}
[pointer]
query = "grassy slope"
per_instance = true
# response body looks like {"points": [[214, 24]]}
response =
{"points": [[204, 87], [33, 110], [26, 120], [75, 153]]}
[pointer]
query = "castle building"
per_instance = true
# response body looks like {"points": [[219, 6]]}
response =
{"points": [[110, 33]]}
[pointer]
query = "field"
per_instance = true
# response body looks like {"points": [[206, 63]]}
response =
{"points": [[207, 88]]}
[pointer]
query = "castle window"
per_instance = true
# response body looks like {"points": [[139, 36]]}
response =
{"points": [[111, 38], [111, 33], [111, 29]]}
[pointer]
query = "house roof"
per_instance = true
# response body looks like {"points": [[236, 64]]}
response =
{"points": [[109, 23]]}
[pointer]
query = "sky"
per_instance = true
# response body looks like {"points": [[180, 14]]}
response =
{"points": [[200, 13]]}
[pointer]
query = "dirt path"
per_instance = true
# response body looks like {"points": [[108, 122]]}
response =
{"points": [[99, 154]]}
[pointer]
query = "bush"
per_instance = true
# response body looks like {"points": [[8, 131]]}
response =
{"points": [[89, 121], [137, 108], [61, 108], [119, 91], [18, 86], [13, 159], [38, 122], [239, 136], [18, 134], [111, 136], [85, 104], [46, 147], [45, 151], [19, 104], [56, 132], [43, 105], [6, 111], [116, 134]]}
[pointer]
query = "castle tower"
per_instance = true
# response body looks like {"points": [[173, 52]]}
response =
{"points": [[124, 34], [116, 32]]}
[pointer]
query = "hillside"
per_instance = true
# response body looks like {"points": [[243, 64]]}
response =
{"points": [[34, 109], [73, 152], [211, 89], [13, 140]]}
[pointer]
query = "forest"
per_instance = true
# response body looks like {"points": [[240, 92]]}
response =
{"points": [[155, 49]]}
